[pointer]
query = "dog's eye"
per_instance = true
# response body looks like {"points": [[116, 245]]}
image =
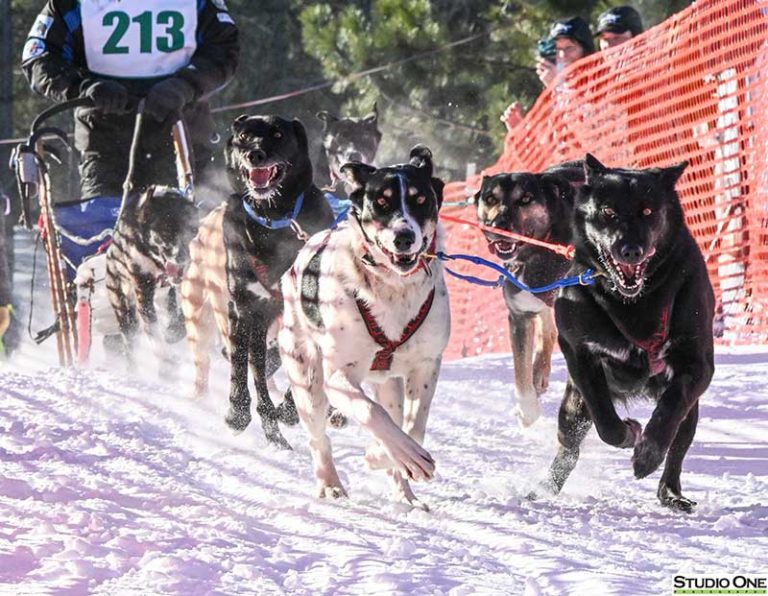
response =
{"points": [[647, 211], [421, 199], [243, 137], [278, 134], [491, 200], [382, 202], [608, 212], [525, 199]]}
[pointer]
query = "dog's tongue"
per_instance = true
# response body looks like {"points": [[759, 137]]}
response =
{"points": [[628, 271], [260, 177]]}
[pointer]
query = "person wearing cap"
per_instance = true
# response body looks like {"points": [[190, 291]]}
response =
{"points": [[617, 25], [573, 40]]}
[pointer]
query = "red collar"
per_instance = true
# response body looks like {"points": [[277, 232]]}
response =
{"points": [[383, 358]]}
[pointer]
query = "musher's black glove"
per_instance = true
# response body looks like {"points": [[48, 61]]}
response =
{"points": [[109, 97], [168, 97]]}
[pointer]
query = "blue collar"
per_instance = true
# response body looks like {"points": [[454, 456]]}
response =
{"points": [[274, 224]]}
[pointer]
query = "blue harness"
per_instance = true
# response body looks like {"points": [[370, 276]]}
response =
{"points": [[275, 224]]}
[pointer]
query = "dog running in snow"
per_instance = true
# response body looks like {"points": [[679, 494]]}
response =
{"points": [[643, 329], [363, 303], [538, 206], [345, 140], [150, 248], [242, 249]]}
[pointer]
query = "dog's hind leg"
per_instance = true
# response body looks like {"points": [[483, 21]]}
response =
{"points": [[521, 331], [670, 492], [542, 362], [573, 425]]}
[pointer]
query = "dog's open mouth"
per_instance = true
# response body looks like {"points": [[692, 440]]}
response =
{"points": [[504, 249], [265, 178], [403, 263], [629, 278]]}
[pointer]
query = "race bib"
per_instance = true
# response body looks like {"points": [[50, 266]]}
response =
{"points": [[138, 38]]}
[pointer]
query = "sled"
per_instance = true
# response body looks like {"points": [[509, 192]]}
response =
{"points": [[76, 239]]}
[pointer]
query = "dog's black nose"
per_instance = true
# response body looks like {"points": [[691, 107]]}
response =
{"points": [[404, 240], [256, 156], [631, 253]]}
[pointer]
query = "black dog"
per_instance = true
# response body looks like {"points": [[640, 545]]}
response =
{"points": [[644, 328], [345, 140], [274, 209], [538, 206], [150, 248]]}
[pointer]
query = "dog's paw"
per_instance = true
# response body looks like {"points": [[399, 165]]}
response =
{"points": [[647, 457], [325, 491], [634, 430], [529, 413], [410, 458], [675, 501], [544, 489], [336, 419], [238, 419], [415, 503], [287, 412]]}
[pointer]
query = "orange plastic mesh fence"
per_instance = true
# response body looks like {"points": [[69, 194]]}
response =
{"points": [[693, 88]]}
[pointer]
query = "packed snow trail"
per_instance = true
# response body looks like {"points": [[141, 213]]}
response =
{"points": [[113, 485], [118, 486]]}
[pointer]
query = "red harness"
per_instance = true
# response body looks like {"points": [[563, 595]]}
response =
{"points": [[261, 272], [654, 344], [383, 358]]}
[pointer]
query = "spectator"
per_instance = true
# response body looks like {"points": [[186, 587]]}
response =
{"points": [[617, 25], [573, 40]]}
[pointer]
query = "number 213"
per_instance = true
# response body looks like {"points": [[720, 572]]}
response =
{"points": [[172, 41]]}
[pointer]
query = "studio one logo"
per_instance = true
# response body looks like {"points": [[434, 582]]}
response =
{"points": [[721, 584]]}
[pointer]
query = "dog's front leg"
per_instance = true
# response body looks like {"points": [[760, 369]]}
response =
{"points": [[688, 383], [258, 360], [522, 329], [239, 415], [542, 361], [145, 302], [347, 396]]}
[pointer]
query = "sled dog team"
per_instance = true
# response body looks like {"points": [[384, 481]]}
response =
{"points": [[356, 310]]}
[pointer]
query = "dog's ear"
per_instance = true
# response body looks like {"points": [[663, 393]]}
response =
{"points": [[142, 206], [301, 136], [479, 194], [373, 117], [421, 157], [356, 175], [592, 168], [325, 117], [670, 176], [558, 186], [438, 186]]}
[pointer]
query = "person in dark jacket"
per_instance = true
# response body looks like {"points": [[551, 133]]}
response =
{"points": [[174, 53]]}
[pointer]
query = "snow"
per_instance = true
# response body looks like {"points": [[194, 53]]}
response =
{"points": [[114, 485]]}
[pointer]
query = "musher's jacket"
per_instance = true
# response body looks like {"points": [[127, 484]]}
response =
{"points": [[138, 43]]}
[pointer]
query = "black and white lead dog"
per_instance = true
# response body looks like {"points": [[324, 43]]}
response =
{"points": [[364, 303]]}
